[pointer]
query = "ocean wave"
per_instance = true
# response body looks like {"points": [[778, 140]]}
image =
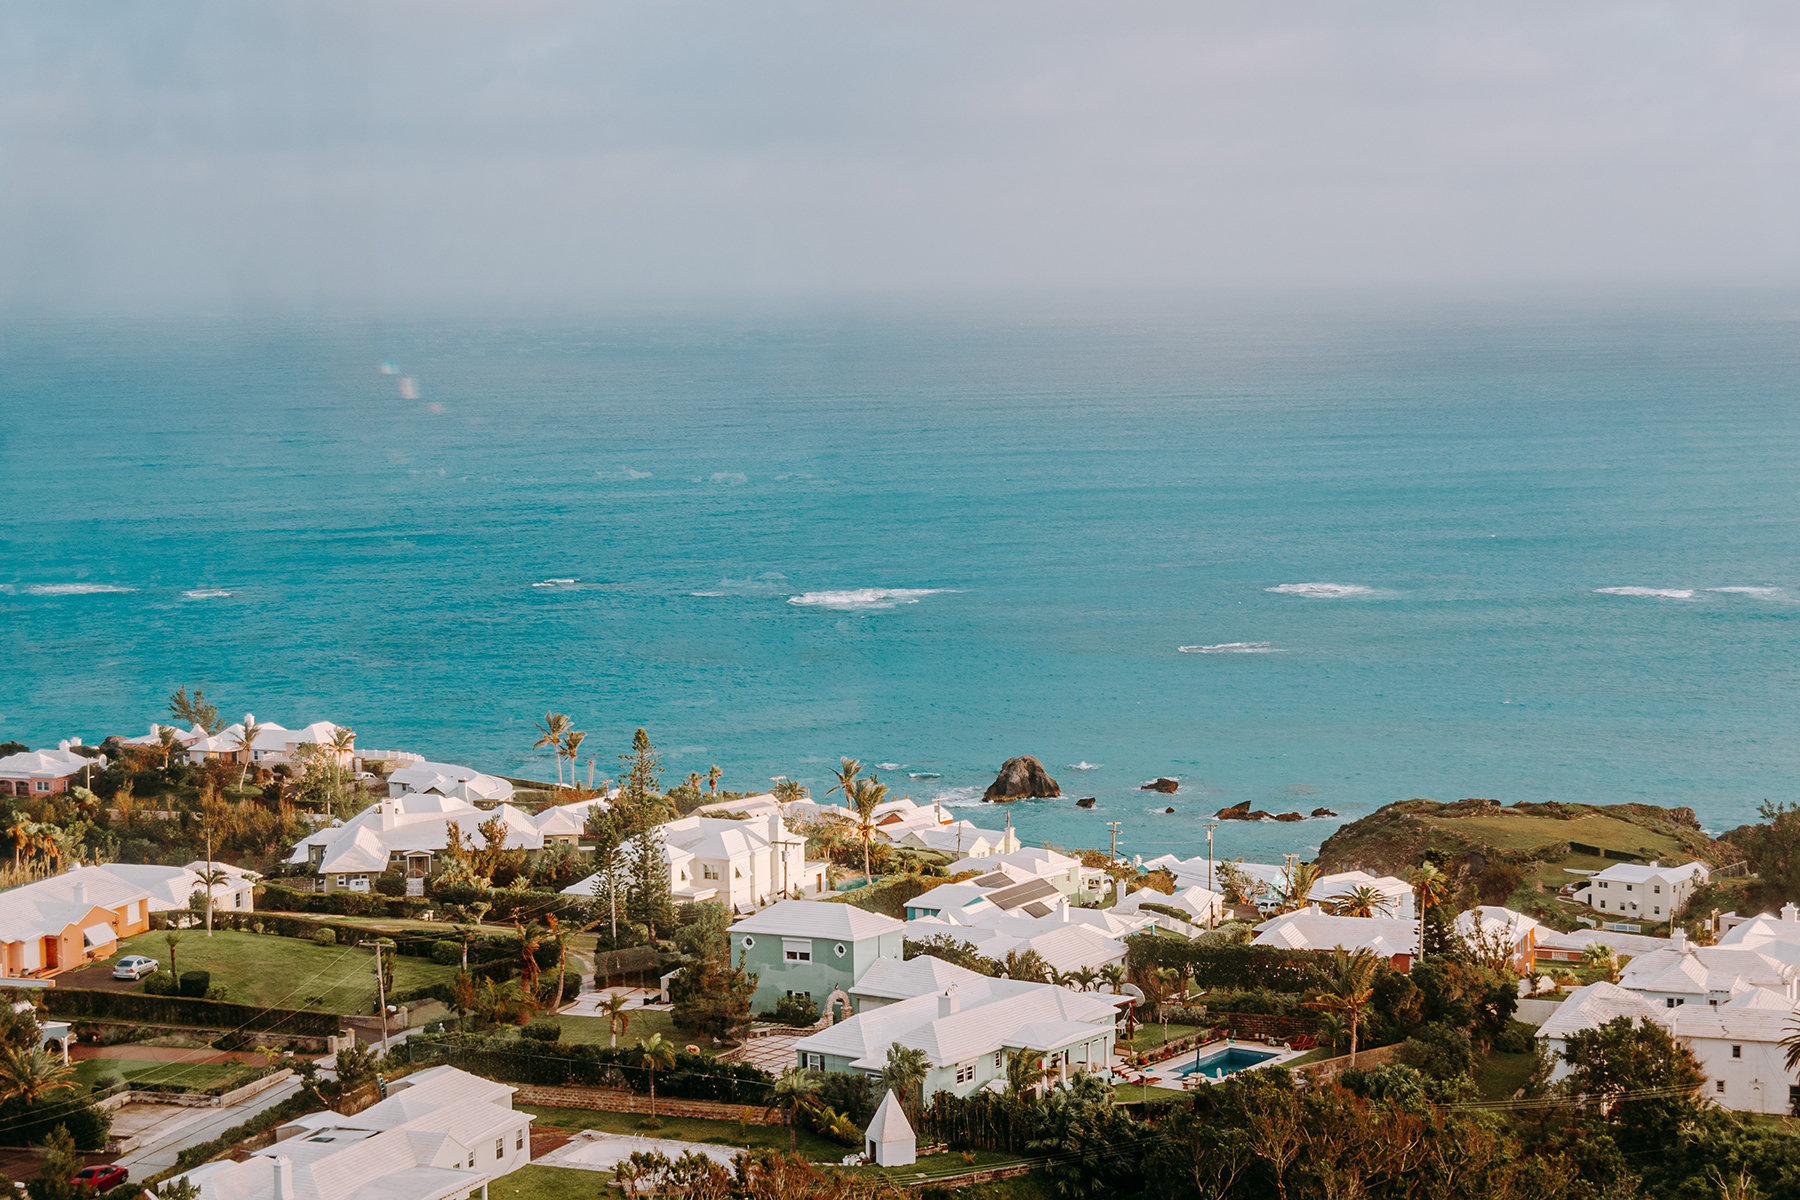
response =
{"points": [[1766, 593], [706, 593], [1322, 591], [1084, 765], [1233, 648], [863, 598], [75, 589], [206, 593], [887, 766], [552, 583], [924, 775], [1663, 593], [960, 797]]}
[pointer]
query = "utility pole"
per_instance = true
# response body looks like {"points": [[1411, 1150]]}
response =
{"points": [[1210, 826], [381, 993], [1115, 827]]}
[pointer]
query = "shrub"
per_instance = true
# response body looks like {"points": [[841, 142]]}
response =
{"points": [[161, 983], [542, 1031], [446, 954], [1516, 1038], [797, 1010], [76, 1003], [195, 983], [1438, 1050], [390, 883], [325, 937]]}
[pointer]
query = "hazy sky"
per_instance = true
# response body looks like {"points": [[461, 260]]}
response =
{"points": [[177, 153]]}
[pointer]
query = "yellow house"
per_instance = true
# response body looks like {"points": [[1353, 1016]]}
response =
{"points": [[66, 921]]}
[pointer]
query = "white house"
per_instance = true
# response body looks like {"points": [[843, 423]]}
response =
{"points": [[1707, 975], [1488, 926], [406, 834], [743, 865], [1065, 945], [1554, 946], [1775, 936], [1738, 1043], [969, 1029], [1397, 894], [1203, 907], [46, 772], [1311, 928], [890, 980], [447, 779], [1261, 879], [170, 888], [442, 1134], [1654, 893], [273, 743], [1070, 877]]}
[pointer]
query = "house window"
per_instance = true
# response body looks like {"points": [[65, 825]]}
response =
{"points": [[1604, 884], [1737, 1052], [815, 1062], [343, 880], [499, 1147], [1719, 1085], [736, 874], [749, 942], [796, 950], [43, 785], [839, 950], [997, 1056], [471, 1160], [1657, 890], [965, 1072], [1628, 887], [1656, 911], [709, 872], [521, 1143]]}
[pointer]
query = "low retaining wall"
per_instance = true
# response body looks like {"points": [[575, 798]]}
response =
{"points": [[969, 1177], [626, 1101], [1536, 1012], [197, 1099], [1331, 1068], [87, 1027]]}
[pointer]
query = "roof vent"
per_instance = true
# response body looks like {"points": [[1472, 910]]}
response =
{"points": [[283, 1178], [1789, 912], [80, 892], [1678, 941]]}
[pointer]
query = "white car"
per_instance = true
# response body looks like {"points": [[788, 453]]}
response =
{"points": [[134, 966]]}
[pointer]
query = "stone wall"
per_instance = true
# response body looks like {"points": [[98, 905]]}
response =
{"points": [[1331, 1068], [626, 1101]]}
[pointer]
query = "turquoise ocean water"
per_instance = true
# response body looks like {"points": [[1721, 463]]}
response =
{"points": [[1525, 550]]}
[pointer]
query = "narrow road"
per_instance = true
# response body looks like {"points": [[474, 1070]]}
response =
{"points": [[169, 1129]]}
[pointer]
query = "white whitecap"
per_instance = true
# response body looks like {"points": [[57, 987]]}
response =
{"points": [[925, 775], [1233, 648], [1766, 593], [887, 766], [206, 593], [1322, 591], [730, 478], [1662, 593], [551, 583], [1084, 765], [863, 598], [706, 593], [75, 589], [960, 797]]}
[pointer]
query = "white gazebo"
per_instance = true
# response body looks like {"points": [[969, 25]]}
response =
{"points": [[890, 1138]]}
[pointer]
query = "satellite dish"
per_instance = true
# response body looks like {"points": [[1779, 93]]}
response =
{"points": [[1134, 991]]}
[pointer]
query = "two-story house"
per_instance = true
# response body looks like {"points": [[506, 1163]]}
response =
{"points": [[811, 948], [1653, 893]]}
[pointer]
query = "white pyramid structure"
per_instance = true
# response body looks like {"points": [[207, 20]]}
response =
{"points": [[890, 1140]]}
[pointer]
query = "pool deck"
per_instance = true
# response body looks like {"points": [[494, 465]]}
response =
{"points": [[1164, 1073]]}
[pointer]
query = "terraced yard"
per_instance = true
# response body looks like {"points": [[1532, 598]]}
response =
{"points": [[281, 972]]}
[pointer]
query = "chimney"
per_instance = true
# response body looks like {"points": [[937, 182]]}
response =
{"points": [[284, 1178], [949, 1002], [80, 892], [1678, 941], [1789, 912], [1062, 910], [63, 745], [387, 809], [249, 720]]}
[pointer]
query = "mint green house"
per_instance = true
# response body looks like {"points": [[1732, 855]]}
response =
{"points": [[811, 948]]}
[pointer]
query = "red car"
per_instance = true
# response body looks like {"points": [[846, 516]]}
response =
{"points": [[101, 1179]]}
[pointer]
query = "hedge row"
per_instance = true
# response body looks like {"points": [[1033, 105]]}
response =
{"points": [[1229, 966], [695, 1076], [184, 1010], [299, 1103]]}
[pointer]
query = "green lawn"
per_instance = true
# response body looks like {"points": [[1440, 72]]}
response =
{"points": [[1500, 1075], [1131, 1092], [1312, 1056], [139, 1071], [690, 1129], [1148, 1037], [533, 1182], [280, 972], [938, 1166], [644, 1022]]}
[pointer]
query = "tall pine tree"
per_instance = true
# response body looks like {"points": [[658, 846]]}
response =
{"points": [[647, 893]]}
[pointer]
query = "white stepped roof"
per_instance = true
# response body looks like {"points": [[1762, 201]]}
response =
{"points": [[817, 918]]}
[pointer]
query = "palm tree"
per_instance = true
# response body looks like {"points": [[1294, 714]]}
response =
{"points": [[1347, 991], [1114, 975], [787, 791], [864, 795], [712, 779], [1296, 885], [1087, 979], [1360, 901], [571, 749], [554, 726], [31, 1073], [246, 740], [167, 741], [693, 781], [1598, 956], [19, 828], [1027, 965], [172, 939], [796, 1086], [210, 879], [652, 1053], [1433, 889], [343, 741], [614, 1009], [560, 936], [904, 1074], [1024, 1071], [848, 770]]}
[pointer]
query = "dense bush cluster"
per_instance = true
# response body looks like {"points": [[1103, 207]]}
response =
{"points": [[76, 1003], [523, 1060]]}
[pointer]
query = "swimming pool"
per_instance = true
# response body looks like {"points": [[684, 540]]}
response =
{"points": [[1221, 1063]]}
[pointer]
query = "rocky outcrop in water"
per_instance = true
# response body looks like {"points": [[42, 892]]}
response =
{"points": [[1021, 778], [1323, 812], [1241, 811], [1164, 784], [1289, 817], [1086, 802]]}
